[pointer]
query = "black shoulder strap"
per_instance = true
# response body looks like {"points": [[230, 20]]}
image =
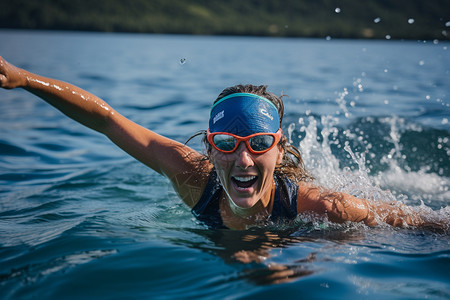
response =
{"points": [[207, 209], [285, 199]]}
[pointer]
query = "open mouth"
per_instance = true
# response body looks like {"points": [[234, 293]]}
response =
{"points": [[244, 182]]}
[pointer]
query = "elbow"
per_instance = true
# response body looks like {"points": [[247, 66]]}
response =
{"points": [[104, 123]]}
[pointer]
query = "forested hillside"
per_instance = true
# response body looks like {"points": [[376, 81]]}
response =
{"points": [[397, 19]]}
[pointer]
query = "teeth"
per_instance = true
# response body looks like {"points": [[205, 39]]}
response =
{"points": [[244, 179]]}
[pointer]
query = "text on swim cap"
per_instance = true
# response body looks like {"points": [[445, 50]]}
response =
{"points": [[219, 116], [264, 112]]}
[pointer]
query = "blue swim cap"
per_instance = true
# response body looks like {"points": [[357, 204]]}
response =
{"points": [[244, 114]]}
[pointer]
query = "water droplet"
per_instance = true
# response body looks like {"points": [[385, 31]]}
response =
{"points": [[386, 101], [377, 20], [427, 97], [421, 63], [444, 121], [411, 21], [182, 61], [337, 10], [328, 38], [435, 42], [447, 24], [388, 37]]}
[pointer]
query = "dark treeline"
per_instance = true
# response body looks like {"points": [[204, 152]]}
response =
{"points": [[399, 19]]}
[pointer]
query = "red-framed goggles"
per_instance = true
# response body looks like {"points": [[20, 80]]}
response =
{"points": [[257, 143]]}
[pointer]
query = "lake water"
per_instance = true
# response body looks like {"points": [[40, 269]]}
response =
{"points": [[81, 220]]}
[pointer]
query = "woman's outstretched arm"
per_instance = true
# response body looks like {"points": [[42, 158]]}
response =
{"points": [[168, 157], [341, 207]]}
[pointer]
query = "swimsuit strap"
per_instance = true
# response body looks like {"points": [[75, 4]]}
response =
{"points": [[207, 209], [285, 200]]}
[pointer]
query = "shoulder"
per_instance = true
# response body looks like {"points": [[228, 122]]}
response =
{"points": [[317, 199], [309, 198], [190, 184], [337, 206]]}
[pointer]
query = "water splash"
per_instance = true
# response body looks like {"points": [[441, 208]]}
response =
{"points": [[343, 103], [379, 159]]}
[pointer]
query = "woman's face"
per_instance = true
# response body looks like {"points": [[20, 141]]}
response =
{"points": [[246, 177]]}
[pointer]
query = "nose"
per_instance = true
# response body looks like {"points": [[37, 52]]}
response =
{"points": [[244, 158]]}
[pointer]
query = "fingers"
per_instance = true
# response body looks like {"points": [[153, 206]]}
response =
{"points": [[2, 65], [2, 80], [10, 76]]}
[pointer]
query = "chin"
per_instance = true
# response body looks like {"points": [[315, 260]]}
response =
{"points": [[244, 202]]}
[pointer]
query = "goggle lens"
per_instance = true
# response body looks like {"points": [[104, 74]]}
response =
{"points": [[224, 142], [261, 142]]}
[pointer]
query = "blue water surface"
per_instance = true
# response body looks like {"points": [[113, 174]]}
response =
{"points": [[79, 219]]}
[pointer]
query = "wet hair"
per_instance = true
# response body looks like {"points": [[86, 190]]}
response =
{"points": [[292, 164]]}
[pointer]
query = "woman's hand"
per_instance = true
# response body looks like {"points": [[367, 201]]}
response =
{"points": [[11, 76]]}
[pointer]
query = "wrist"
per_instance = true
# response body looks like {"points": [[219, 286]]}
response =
{"points": [[24, 79], [17, 78]]}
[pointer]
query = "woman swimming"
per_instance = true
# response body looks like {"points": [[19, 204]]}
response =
{"points": [[249, 176]]}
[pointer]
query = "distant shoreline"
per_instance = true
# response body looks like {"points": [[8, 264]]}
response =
{"points": [[369, 19], [222, 35]]}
